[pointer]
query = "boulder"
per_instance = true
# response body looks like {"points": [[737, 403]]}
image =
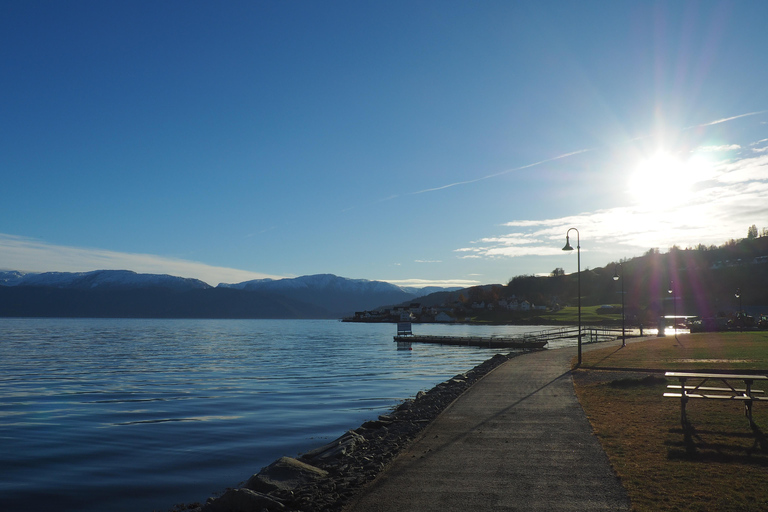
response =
{"points": [[342, 446], [285, 474], [242, 500]]}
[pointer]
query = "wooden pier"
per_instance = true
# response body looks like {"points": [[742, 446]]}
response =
{"points": [[472, 341], [534, 340]]}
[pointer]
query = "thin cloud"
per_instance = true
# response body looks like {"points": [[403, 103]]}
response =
{"points": [[703, 125], [501, 173], [511, 240], [748, 169], [30, 255], [468, 182], [726, 119], [713, 149], [445, 283], [719, 210]]}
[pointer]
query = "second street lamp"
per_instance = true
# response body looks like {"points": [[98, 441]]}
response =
{"points": [[674, 305], [578, 276], [616, 277]]}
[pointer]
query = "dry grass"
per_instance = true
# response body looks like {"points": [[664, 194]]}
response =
{"points": [[720, 464]]}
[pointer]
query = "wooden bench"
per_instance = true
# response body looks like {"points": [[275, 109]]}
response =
{"points": [[728, 391]]}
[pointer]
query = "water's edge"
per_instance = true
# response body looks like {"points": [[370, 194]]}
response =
{"points": [[132, 415], [367, 451]]}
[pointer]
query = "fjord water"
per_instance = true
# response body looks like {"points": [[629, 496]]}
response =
{"points": [[132, 415]]}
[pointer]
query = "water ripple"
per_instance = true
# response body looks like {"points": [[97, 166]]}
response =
{"points": [[130, 415]]}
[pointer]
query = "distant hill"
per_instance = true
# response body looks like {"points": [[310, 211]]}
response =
{"points": [[706, 281], [341, 295], [126, 294], [103, 279]]}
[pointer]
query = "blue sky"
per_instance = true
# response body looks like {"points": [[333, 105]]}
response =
{"points": [[426, 142]]}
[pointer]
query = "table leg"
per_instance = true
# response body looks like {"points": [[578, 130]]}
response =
{"points": [[683, 401]]}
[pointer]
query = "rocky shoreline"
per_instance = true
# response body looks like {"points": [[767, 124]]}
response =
{"points": [[325, 478]]}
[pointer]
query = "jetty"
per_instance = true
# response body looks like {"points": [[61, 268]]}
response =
{"points": [[533, 340]]}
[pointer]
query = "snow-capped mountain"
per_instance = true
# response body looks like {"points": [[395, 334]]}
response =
{"points": [[330, 281], [421, 292], [123, 293], [339, 294], [317, 281], [123, 279]]}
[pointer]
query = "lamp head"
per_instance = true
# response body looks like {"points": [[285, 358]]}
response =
{"points": [[738, 292], [567, 244], [616, 276]]}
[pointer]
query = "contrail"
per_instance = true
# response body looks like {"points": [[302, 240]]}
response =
{"points": [[443, 187], [726, 119], [566, 155]]}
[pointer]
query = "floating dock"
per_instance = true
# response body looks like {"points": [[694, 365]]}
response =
{"points": [[534, 340], [473, 341]]}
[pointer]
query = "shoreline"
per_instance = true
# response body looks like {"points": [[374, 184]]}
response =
{"points": [[326, 478]]}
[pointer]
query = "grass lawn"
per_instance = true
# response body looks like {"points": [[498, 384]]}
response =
{"points": [[721, 465], [589, 315], [565, 316]]}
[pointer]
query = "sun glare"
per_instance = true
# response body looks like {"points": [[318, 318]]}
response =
{"points": [[662, 181]]}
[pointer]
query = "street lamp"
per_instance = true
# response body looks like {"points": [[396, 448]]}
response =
{"points": [[674, 304], [616, 278], [739, 318], [578, 276]]}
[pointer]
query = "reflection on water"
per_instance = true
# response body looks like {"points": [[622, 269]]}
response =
{"points": [[142, 414]]}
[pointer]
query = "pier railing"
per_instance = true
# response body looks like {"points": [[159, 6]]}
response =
{"points": [[537, 339], [588, 334]]}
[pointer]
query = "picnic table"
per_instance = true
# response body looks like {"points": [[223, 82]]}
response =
{"points": [[724, 390]]}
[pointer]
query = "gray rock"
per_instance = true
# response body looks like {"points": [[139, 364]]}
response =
{"points": [[342, 446], [285, 474], [351, 460], [242, 500]]}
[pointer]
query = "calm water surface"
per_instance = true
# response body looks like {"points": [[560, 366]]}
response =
{"points": [[139, 415]]}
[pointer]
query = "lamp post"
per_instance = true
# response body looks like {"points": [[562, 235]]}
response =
{"points": [[674, 305], [578, 276], [616, 278], [739, 318]]}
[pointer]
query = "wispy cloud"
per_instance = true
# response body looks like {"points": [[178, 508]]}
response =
{"points": [[732, 118], [720, 148], [30, 255], [713, 149], [446, 283], [734, 198], [474, 180], [427, 261], [501, 173]]}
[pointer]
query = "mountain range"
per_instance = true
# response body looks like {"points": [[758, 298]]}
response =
{"points": [[126, 294]]}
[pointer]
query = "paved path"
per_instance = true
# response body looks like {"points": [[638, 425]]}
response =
{"points": [[516, 440]]}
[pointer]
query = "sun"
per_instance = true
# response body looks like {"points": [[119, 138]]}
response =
{"points": [[662, 181]]}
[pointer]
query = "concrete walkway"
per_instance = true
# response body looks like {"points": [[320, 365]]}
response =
{"points": [[516, 440]]}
